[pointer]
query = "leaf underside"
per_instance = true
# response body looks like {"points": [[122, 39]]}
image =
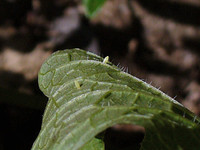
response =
{"points": [[87, 96]]}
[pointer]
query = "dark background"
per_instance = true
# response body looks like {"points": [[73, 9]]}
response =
{"points": [[158, 40]]}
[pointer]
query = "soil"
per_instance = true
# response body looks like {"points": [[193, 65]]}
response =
{"points": [[157, 40]]}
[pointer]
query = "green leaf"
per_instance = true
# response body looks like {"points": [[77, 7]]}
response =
{"points": [[87, 94], [93, 6], [95, 144]]}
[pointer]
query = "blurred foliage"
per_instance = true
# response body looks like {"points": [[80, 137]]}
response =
{"points": [[93, 6]]}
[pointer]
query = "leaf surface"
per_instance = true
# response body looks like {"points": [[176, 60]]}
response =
{"points": [[87, 95]]}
